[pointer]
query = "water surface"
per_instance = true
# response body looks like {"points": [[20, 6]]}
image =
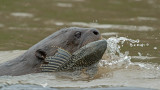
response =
{"points": [[131, 28]]}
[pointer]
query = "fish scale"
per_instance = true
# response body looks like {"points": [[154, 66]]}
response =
{"points": [[85, 57]]}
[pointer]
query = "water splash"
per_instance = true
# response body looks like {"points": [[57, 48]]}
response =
{"points": [[113, 51], [114, 48], [114, 58]]}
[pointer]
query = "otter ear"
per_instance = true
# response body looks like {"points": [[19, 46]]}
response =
{"points": [[40, 54]]}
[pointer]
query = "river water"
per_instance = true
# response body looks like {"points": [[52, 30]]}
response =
{"points": [[116, 69], [131, 28]]}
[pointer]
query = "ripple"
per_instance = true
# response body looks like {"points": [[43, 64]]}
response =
{"points": [[143, 57], [29, 28], [64, 5], [22, 14], [1, 25], [111, 26], [109, 33], [144, 19], [106, 26], [8, 55]]}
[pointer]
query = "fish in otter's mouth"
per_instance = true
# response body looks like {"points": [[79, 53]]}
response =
{"points": [[84, 57]]}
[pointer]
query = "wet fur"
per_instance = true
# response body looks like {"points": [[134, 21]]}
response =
{"points": [[64, 38]]}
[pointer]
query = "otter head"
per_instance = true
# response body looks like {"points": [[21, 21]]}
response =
{"points": [[70, 39]]}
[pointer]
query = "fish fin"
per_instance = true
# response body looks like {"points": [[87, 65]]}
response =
{"points": [[56, 61]]}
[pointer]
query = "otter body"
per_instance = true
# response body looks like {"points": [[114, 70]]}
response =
{"points": [[70, 39]]}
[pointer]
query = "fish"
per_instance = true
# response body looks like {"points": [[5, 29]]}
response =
{"points": [[85, 57]]}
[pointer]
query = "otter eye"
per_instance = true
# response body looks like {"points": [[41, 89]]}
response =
{"points": [[77, 34]]}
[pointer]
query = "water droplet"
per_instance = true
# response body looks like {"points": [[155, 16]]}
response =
{"points": [[131, 45], [96, 21], [138, 40], [134, 45], [147, 44], [139, 54], [155, 48]]}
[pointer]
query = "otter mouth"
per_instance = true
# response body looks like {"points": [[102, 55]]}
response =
{"points": [[86, 41]]}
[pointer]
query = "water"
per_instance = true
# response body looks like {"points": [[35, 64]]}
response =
{"points": [[131, 28], [115, 70]]}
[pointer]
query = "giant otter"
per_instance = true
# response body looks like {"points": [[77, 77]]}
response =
{"points": [[70, 39]]}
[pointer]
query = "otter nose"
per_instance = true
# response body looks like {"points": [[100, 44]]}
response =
{"points": [[95, 32]]}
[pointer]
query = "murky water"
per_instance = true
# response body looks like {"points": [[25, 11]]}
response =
{"points": [[115, 70], [131, 28]]}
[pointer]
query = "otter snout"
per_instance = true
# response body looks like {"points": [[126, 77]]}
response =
{"points": [[95, 32]]}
